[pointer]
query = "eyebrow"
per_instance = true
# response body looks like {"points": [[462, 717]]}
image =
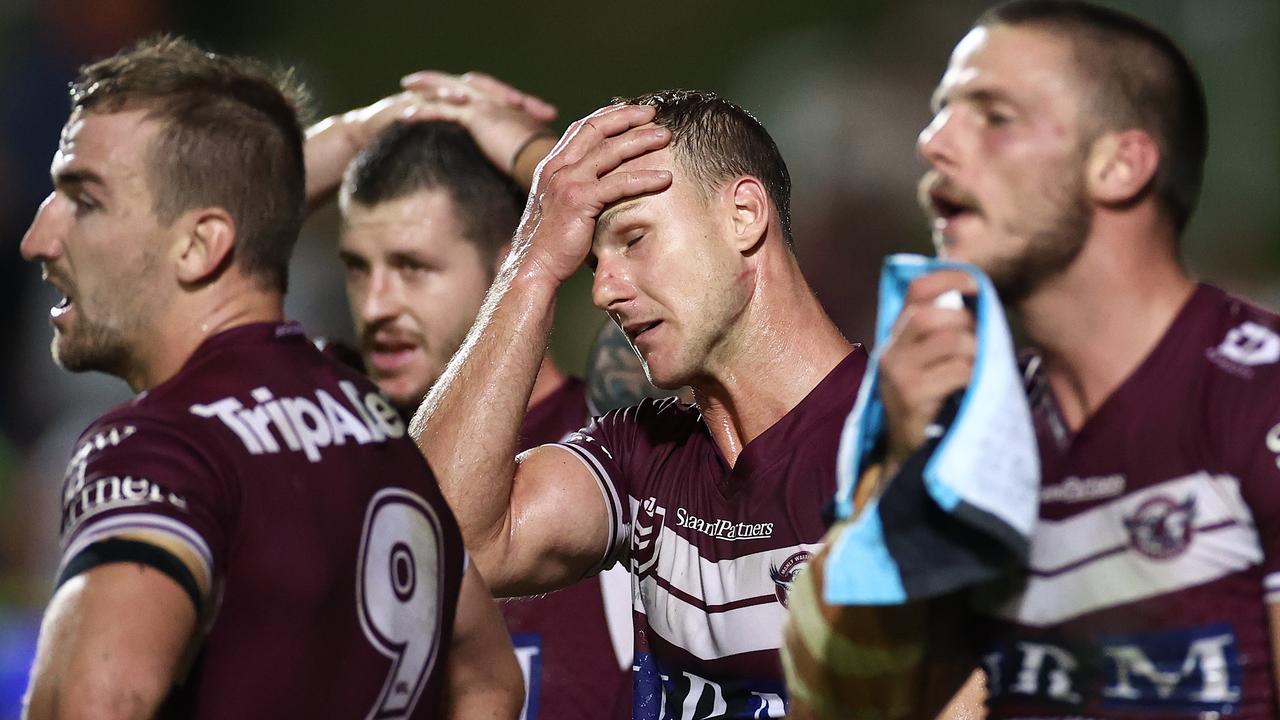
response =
{"points": [[611, 216], [78, 176], [977, 96]]}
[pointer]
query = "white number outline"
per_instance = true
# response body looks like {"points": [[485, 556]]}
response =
{"points": [[390, 648]]}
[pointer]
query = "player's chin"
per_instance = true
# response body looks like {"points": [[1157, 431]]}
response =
{"points": [[665, 375]]}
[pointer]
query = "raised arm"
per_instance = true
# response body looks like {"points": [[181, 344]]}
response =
{"points": [[541, 522], [483, 678], [110, 645], [508, 125]]}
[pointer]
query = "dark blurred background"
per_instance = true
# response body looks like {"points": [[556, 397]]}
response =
{"points": [[843, 86]]}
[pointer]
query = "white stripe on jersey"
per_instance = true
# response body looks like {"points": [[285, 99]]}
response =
{"points": [[615, 551], [1089, 562], [722, 632], [122, 524], [717, 583]]}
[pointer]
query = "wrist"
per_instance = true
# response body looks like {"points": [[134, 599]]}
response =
{"points": [[525, 160]]}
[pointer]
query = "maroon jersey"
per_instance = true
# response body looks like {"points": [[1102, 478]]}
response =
{"points": [[1158, 546], [713, 549], [328, 561], [570, 658]]}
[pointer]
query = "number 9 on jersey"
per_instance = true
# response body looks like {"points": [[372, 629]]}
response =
{"points": [[399, 594]]}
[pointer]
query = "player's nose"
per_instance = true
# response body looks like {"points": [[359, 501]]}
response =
{"points": [[43, 239], [611, 286], [381, 297], [936, 142]]}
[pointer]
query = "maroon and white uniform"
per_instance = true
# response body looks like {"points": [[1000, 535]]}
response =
{"points": [[574, 659], [305, 524], [712, 548], [1158, 546]]}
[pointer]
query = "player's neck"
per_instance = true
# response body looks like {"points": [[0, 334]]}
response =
{"points": [[1095, 323], [549, 379], [781, 347], [193, 318]]}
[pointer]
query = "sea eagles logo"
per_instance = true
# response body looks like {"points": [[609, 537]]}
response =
{"points": [[1161, 528], [786, 574]]}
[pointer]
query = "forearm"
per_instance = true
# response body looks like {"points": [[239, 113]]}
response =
{"points": [[468, 426], [330, 145], [525, 163]]}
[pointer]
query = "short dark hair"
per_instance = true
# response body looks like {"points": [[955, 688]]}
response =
{"points": [[409, 157], [717, 140], [231, 138], [1140, 79]]}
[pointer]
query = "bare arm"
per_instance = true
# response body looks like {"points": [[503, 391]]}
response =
{"points": [[507, 124], [332, 143], [483, 677], [512, 516], [110, 645]]}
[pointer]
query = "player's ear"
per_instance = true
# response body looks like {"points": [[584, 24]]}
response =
{"points": [[208, 236], [1121, 166], [749, 212]]}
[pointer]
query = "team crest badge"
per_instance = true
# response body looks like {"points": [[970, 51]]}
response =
{"points": [[785, 574], [1161, 528]]}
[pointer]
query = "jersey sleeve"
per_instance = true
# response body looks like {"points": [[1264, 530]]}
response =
{"points": [[604, 448], [142, 481]]}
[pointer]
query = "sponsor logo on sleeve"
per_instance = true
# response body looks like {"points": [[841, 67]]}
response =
{"points": [[112, 493], [306, 424], [109, 438]]}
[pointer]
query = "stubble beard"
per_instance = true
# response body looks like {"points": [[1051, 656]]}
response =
{"points": [[1052, 245], [91, 346]]}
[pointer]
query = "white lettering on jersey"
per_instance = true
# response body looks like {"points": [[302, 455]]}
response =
{"points": [[303, 424], [1206, 672], [109, 493], [1060, 666], [723, 529], [80, 460], [1075, 489], [1205, 657]]}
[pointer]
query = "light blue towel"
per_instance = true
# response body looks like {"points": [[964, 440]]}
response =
{"points": [[962, 509]]}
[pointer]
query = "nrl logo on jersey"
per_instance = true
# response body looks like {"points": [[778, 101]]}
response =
{"points": [[1246, 345], [645, 536], [1161, 528]]}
